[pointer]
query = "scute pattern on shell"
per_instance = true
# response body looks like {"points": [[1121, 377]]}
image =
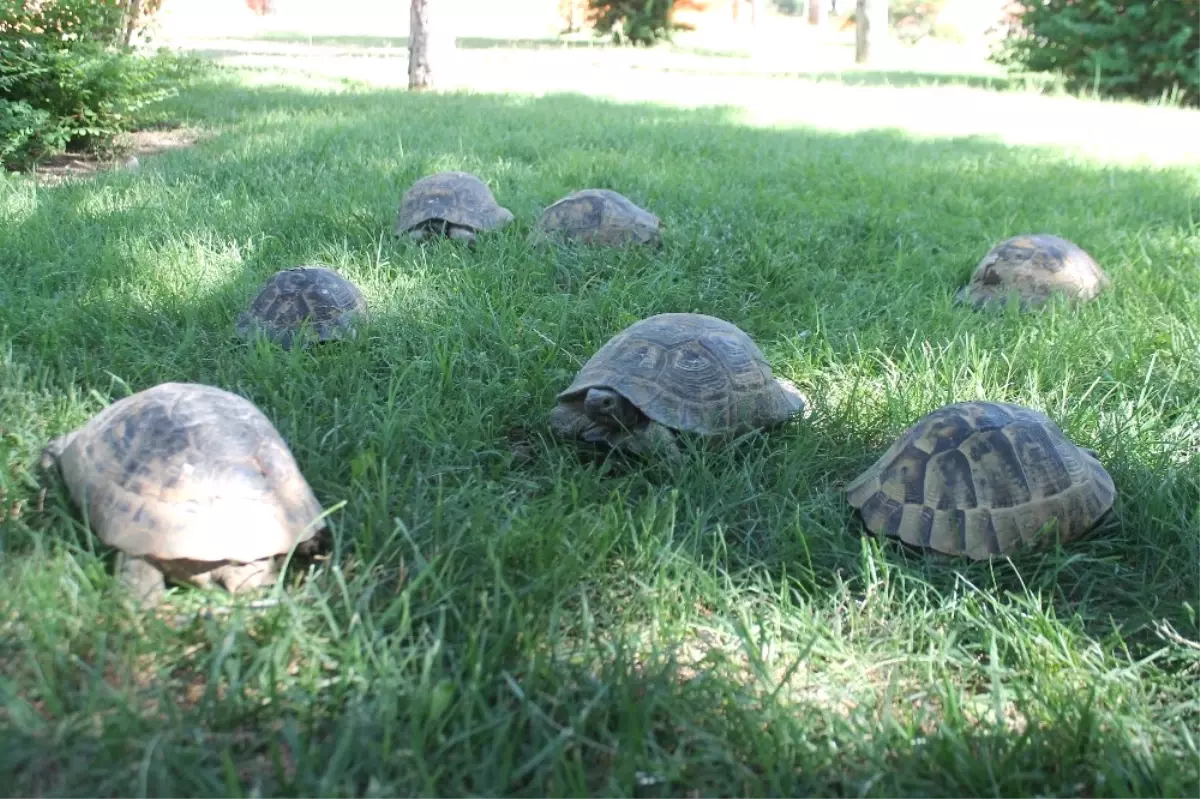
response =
{"points": [[458, 198], [188, 471], [328, 302], [1035, 267], [602, 217], [689, 372], [980, 479]]}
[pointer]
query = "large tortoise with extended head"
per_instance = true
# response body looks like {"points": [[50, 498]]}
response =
{"points": [[454, 204], [1033, 267], [190, 482], [600, 217], [671, 373], [982, 479], [312, 297]]}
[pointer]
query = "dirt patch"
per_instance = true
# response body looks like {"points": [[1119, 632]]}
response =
{"points": [[126, 153]]}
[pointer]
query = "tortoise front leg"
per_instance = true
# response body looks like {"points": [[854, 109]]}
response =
{"points": [[654, 439], [142, 579], [460, 233]]}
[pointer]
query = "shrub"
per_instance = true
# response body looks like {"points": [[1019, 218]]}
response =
{"points": [[639, 22], [1144, 49], [913, 20], [26, 131], [66, 79]]}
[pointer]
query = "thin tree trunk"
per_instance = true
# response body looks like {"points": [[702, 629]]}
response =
{"points": [[754, 12], [870, 28], [814, 12], [132, 12], [430, 46]]}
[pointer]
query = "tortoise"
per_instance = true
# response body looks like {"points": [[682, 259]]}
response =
{"points": [[189, 482], [981, 479], [313, 296], [1034, 266], [455, 204], [672, 373], [599, 216]]}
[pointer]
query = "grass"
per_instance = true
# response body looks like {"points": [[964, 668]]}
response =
{"points": [[500, 616]]}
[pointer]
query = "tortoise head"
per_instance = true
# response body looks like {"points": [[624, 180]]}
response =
{"points": [[609, 409]]}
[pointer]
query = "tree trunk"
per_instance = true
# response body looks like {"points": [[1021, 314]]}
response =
{"points": [[754, 12], [132, 12], [430, 46], [870, 28], [814, 11]]}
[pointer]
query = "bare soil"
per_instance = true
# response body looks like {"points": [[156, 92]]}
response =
{"points": [[126, 153]]}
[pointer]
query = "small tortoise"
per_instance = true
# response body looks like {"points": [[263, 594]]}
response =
{"points": [[669, 373], [1034, 266], [455, 204], [981, 479], [599, 216], [190, 482], [313, 296]]}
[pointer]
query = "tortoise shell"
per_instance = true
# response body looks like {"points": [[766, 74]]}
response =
{"points": [[1034, 267], [184, 471], [601, 217], [690, 372], [291, 298], [980, 479], [450, 198]]}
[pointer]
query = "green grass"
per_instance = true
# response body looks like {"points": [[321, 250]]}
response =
{"points": [[500, 616]]}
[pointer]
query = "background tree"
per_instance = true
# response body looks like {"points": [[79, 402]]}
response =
{"points": [[871, 28], [430, 45], [753, 10], [572, 13]]}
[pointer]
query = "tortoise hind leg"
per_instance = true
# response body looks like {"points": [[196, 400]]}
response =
{"points": [[460, 233], [243, 577], [142, 579]]}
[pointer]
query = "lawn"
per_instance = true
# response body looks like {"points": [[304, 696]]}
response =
{"points": [[500, 615]]}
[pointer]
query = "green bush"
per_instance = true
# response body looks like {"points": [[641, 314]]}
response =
{"points": [[25, 131], [639, 22], [913, 20], [1147, 49], [66, 82]]}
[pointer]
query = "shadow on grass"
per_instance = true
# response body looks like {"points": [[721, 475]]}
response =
{"points": [[461, 565], [896, 78], [904, 78], [401, 42], [625, 726]]}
